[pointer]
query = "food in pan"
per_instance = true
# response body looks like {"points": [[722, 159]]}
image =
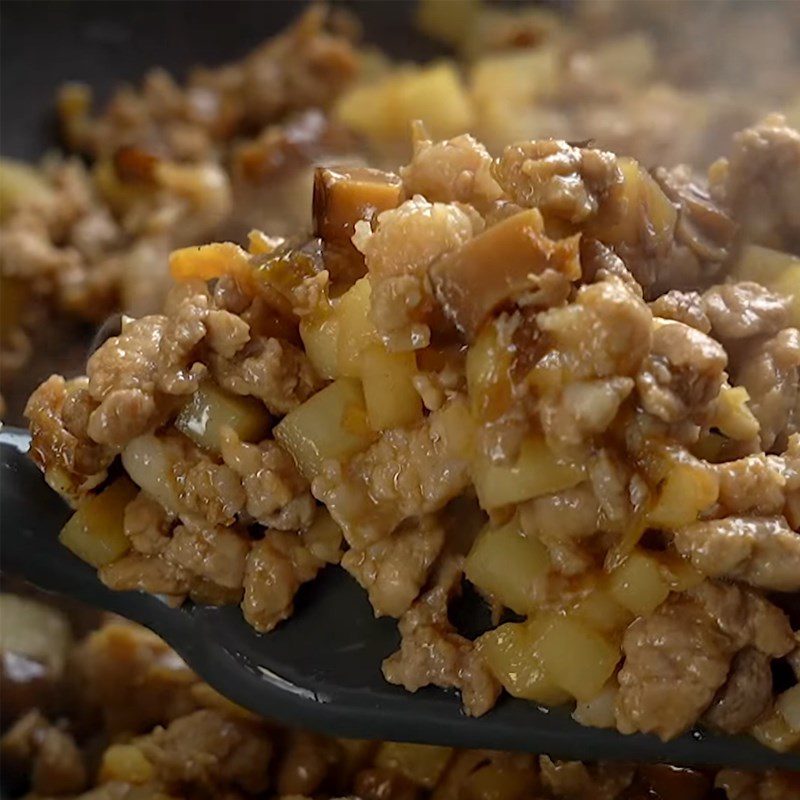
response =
{"points": [[596, 362], [77, 736]]}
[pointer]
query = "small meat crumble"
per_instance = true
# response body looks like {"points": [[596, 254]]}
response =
{"points": [[599, 361], [70, 733]]}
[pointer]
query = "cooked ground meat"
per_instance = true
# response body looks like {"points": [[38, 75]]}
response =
{"points": [[431, 652], [553, 331]]}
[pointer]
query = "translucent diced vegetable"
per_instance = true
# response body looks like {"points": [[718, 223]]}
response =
{"points": [[211, 408], [774, 269], [342, 197], [639, 584], [732, 415], [577, 658], [640, 197], [320, 335], [598, 712], [688, 488], [387, 378], [507, 565], [680, 574], [324, 537], [20, 185], [34, 630], [149, 465], [469, 285], [210, 261], [383, 111], [331, 424], [488, 371], [775, 732], [537, 471], [95, 532], [511, 653], [422, 764], [356, 329], [125, 763], [601, 610], [788, 704]]}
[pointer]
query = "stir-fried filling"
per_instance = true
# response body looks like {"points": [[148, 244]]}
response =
{"points": [[553, 340]]}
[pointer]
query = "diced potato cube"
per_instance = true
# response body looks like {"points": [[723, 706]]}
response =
{"points": [[356, 329], [449, 21], [387, 378], [468, 283], [330, 424], [638, 584], [763, 264], [507, 565], [732, 415], [342, 197], [260, 244], [210, 261], [95, 532], [34, 630], [639, 196], [488, 372], [680, 574], [775, 732], [383, 111], [125, 763], [689, 488], [455, 424], [598, 712], [324, 537], [22, 184], [320, 335], [211, 408], [537, 471], [601, 610], [578, 659], [788, 283], [510, 651], [788, 704], [422, 764]]}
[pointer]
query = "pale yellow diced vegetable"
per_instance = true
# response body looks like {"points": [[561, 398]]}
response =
{"points": [[422, 764], [600, 610], [638, 584], [630, 59], [148, 463], [456, 425], [125, 763], [449, 21], [688, 488], [680, 574], [788, 704], [537, 471], [95, 532], [356, 329], [497, 780], [331, 424], [773, 731], [211, 408], [598, 712], [507, 565], [387, 378], [577, 658], [488, 373], [383, 111], [22, 185], [210, 261], [510, 652], [732, 415], [763, 264], [504, 86], [639, 197], [324, 537], [788, 283], [260, 244], [37, 631], [320, 335]]}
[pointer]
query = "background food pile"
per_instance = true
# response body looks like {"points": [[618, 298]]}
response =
{"points": [[69, 726]]}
